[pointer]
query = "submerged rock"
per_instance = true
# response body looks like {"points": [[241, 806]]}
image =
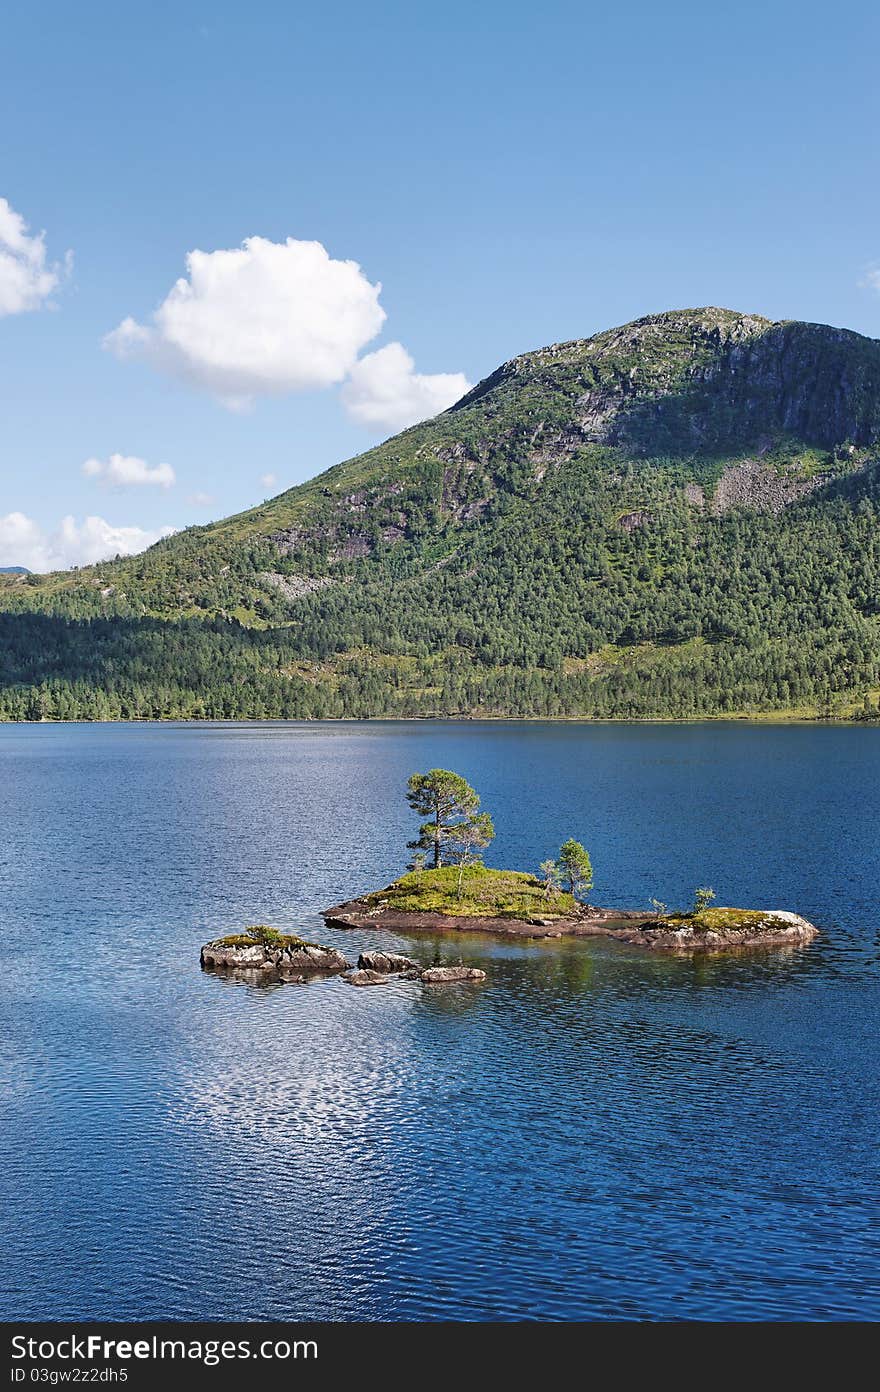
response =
{"points": [[433, 976]]}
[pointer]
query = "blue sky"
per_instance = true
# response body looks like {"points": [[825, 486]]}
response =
{"points": [[512, 176]]}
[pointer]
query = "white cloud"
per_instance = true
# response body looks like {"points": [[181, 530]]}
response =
{"points": [[24, 542], [26, 278], [383, 390], [262, 319], [872, 278], [127, 471], [201, 499], [268, 480]]}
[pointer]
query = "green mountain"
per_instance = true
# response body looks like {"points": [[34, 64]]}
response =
{"points": [[673, 518]]}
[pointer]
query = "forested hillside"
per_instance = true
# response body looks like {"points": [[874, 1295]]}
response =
{"points": [[675, 518]]}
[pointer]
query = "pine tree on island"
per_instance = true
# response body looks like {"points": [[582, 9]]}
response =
{"points": [[573, 868], [455, 833], [456, 830], [454, 826]]}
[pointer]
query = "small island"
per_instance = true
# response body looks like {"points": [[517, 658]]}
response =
{"points": [[268, 955], [265, 951], [457, 893]]}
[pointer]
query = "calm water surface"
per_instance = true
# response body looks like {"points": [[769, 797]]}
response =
{"points": [[594, 1134]]}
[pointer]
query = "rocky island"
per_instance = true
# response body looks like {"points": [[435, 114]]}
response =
{"points": [[459, 894], [507, 903], [468, 897]]}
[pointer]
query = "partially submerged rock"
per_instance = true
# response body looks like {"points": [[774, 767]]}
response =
{"points": [[387, 963], [289, 958], [439, 976], [362, 976], [374, 968]]}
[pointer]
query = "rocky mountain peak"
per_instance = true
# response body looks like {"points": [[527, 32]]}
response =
{"points": [[697, 380]]}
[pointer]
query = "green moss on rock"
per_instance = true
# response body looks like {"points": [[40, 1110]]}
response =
{"points": [[261, 934], [724, 921]]}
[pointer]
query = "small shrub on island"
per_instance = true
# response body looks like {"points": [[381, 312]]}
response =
{"points": [[261, 935], [550, 877], [700, 918], [266, 936], [573, 868]]}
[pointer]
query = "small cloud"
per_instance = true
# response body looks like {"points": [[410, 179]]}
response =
{"points": [[871, 278], [24, 542], [128, 340], [27, 279], [201, 499], [127, 471], [384, 392], [268, 480], [265, 318]]}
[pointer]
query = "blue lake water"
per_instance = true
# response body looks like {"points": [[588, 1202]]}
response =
{"points": [[593, 1134]]}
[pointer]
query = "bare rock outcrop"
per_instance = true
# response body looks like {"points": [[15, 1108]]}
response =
{"points": [[753, 483], [632, 521], [294, 587], [375, 968]]}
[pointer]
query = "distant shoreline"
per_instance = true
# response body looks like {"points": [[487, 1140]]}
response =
{"points": [[728, 718]]}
